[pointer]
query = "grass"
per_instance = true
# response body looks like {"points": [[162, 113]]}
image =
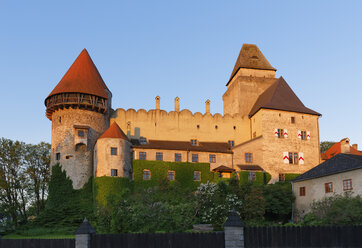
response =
{"points": [[42, 233]]}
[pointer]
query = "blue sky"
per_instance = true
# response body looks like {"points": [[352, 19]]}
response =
{"points": [[180, 48]]}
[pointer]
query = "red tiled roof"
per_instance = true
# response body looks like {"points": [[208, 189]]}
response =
{"points": [[336, 149], [280, 96], [82, 77], [114, 131], [223, 168], [250, 57]]}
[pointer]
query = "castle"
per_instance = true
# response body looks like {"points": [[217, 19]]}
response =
{"points": [[265, 127]]}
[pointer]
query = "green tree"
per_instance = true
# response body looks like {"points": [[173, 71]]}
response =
{"points": [[325, 145]]}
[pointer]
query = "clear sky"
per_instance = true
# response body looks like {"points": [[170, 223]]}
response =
{"points": [[180, 48]]}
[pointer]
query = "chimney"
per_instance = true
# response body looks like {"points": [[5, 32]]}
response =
{"points": [[157, 102], [355, 146], [207, 106], [177, 104], [345, 146]]}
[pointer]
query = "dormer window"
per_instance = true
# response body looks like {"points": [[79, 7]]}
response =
{"points": [[81, 133], [194, 142], [143, 140]]}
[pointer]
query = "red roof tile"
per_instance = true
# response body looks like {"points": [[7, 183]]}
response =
{"points": [[82, 77], [114, 131], [336, 149]]}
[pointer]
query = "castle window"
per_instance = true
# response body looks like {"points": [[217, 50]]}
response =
{"points": [[234, 127], [194, 142], [195, 158], [57, 156], [197, 176], [281, 177], [280, 133], [212, 158], [303, 135], [292, 119], [293, 158], [248, 157], [171, 175], [114, 151], [177, 157], [68, 156], [347, 184], [142, 156], [231, 143], [60, 119], [146, 174], [216, 126], [159, 156], [252, 176], [328, 187], [114, 172], [143, 140], [198, 126], [81, 133], [302, 191]]}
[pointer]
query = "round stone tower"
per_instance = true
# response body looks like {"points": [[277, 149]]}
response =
{"points": [[79, 108]]}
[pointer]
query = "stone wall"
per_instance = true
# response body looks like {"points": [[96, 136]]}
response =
{"points": [[244, 89], [104, 161], [78, 163], [182, 126]]}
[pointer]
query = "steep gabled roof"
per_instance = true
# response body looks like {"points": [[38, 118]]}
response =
{"points": [[340, 163], [114, 131], [280, 96], [250, 57], [82, 77]]}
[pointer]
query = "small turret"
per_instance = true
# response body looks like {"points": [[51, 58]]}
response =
{"points": [[79, 108]]}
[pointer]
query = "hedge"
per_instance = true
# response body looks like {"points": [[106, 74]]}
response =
{"points": [[105, 187], [183, 173], [259, 180], [290, 176]]}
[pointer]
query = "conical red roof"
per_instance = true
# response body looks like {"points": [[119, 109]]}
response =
{"points": [[114, 131], [82, 77]]}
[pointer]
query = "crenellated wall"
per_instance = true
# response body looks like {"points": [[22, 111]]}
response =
{"points": [[182, 126]]}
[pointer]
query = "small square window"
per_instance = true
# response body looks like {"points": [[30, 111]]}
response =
{"points": [[197, 176], [347, 184], [177, 157], [281, 177], [212, 158], [302, 191], [292, 120], [146, 174], [81, 133], [142, 156], [280, 133], [252, 176], [328, 187], [195, 158], [159, 156], [231, 143], [114, 172], [57, 156], [171, 175], [114, 151], [194, 142], [248, 157]]}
